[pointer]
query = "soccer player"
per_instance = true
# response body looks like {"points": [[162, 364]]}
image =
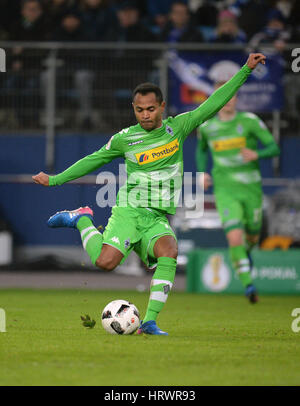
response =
{"points": [[153, 153], [232, 138]]}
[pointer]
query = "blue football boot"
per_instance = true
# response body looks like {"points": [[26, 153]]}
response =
{"points": [[251, 294], [150, 327], [69, 218]]}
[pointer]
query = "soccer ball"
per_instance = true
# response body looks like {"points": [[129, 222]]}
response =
{"points": [[120, 317]]}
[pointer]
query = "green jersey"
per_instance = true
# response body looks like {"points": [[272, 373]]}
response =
{"points": [[225, 139], [153, 159]]}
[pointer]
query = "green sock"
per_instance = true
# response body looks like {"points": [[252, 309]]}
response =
{"points": [[161, 284], [240, 262], [91, 238]]}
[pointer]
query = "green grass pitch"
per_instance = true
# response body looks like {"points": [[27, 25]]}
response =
{"points": [[214, 340]]}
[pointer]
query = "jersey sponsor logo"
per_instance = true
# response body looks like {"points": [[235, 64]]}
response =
{"points": [[155, 154], [135, 142], [143, 158], [232, 143]]}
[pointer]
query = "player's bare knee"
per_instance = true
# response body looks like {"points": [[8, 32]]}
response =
{"points": [[166, 246], [171, 252], [235, 237]]}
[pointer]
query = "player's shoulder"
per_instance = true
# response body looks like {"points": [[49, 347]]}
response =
{"points": [[118, 140], [247, 115], [252, 118], [128, 131], [174, 119], [210, 124]]}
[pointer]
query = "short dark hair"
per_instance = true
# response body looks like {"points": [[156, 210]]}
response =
{"points": [[145, 88]]}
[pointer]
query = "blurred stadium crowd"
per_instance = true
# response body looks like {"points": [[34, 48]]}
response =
{"points": [[223, 21], [255, 25]]}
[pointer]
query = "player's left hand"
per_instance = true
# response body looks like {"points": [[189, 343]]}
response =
{"points": [[249, 155], [255, 59]]}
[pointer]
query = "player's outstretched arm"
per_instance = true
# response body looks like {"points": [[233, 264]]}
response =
{"points": [[84, 166], [41, 179], [221, 96]]}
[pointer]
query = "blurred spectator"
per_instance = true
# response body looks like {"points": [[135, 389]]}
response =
{"points": [[141, 5], [97, 17], [55, 10], [274, 33], [227, 30], [134, 65], [21, 83], [32, 24], [206, 15], [236, 6], [75, 72], [286, 6], [180, 27], [158, 12], [10, 10], [129, 27], [294, 22], [70, 28], [253, 16]]}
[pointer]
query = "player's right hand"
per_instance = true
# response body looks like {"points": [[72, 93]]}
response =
{"points": [[206, 181], [41, 179]]}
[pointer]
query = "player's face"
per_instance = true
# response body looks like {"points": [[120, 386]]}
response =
{"points": [[148, 111]]}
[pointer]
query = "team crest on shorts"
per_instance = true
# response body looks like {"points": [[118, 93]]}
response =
{"points": [[127, 244]]}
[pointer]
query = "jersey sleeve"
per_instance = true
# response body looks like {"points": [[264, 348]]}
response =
{"points": [[190, 120], [261, 132], [88, 164], [201, 150]]}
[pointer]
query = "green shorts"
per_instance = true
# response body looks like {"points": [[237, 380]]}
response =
{"points": [[240, 208], [136, 229]]}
